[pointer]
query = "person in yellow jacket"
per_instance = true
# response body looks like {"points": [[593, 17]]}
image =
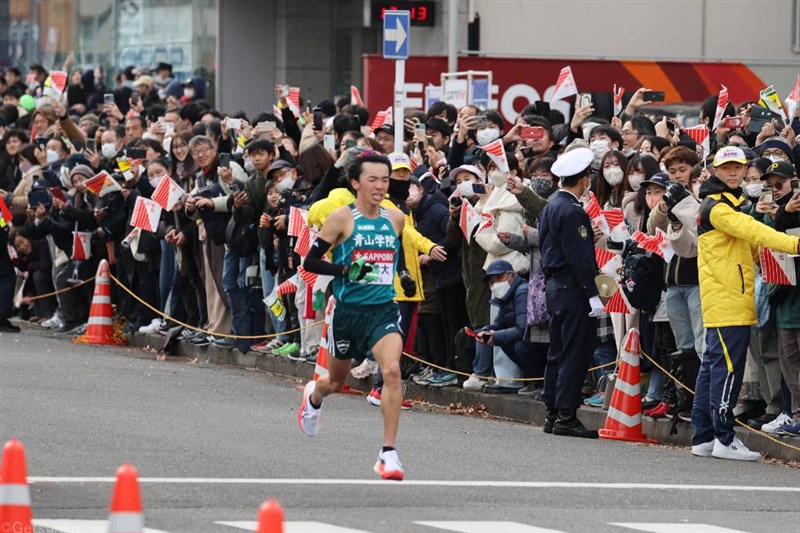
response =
{"points": [[728, 242]]}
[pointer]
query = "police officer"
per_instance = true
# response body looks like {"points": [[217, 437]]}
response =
{"points": [[566, 239]]}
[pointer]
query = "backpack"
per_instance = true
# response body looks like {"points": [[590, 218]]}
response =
{"points": [[642, 278], [464, 348]]}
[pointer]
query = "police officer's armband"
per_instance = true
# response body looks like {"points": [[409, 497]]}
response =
{"points": [[315, 264]]}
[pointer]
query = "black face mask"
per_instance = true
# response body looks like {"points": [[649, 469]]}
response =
{"points": [[398, 189]]}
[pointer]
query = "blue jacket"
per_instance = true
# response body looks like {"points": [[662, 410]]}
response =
{"points": [[512, 318], [431, 218]]}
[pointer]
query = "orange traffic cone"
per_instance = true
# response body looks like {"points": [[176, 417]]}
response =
{"points": [[125, 514], [321, 367], [270, 517], [15, 495], [100, 329], [624, 420]]}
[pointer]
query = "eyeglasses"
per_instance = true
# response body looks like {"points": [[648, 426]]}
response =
{"points": [[201, 151], [780, 183], [777, 152]]}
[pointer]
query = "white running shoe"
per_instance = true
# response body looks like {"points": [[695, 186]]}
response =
{"points": [[307, 416], [474, 383], [703, 450], [736, 451], [52, 323], [388, 466], [772, 427], [365, 369], [152, 327]]}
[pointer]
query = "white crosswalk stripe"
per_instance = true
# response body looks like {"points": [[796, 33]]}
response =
{"points": [[675, 528], [78, 526], [296, 527], [472, 526]]}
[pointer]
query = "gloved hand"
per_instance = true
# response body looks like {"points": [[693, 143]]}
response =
{"points": [[407, 283], [597, 307], [675, 193], [360, 270], [671, 216]]}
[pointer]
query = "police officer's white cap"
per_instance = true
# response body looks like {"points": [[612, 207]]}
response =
{"points": [[572, 162]]}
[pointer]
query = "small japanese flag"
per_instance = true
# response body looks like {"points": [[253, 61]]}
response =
{"points": [[618, 230], [793, 100], [59, 78], [700, 135], [618, 304], [618, 100], [303, 245], [469, 220], [722, 104], [592, 209], [608, 262], [297, 221], [497, 152], [777, 267], [81, 245], [565, 85], [289, 286], [381, 118], [145, 214], [658, 244], [168, 193], [102, 184], [355, 96]]}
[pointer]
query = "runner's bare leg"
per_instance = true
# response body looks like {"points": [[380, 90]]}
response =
{"points": [[338, 370], [387, 353]]}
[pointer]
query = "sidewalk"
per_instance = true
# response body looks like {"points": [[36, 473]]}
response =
{"points": [[510, 406]]}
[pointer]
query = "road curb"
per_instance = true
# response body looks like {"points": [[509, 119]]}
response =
{"points": [[509, 406]]}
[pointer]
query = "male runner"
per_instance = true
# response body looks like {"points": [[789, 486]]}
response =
{"points": [[366, 249]]}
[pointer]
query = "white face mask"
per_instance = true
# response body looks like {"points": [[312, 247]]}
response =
{"points": [[635, 181], [613, 175], [154, 181], [249, 166], [465, 189], [753, 190], [487, 135], [500, 289], [498, 178], [414, 195], [285, 183], [52, 157], [599, 148], [108, 150], [188, 93], [775, 158]]}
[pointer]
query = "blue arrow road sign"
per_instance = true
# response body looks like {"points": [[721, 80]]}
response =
{"points": [[395, 34]]}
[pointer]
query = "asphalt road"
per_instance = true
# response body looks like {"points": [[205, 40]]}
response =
{"points": [[212, 443]]}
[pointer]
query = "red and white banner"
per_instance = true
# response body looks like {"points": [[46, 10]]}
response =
{"points": [[469, 220], [297, 221], [618, 304], [565, 86], [168, 193], [722, 104], [59, 78], [658, 244], [497, 152], [777, 267], [81, 245], [608, 262], [145, 214], [294, 100], [102, 184], [592, 209], [381, 118], [618, 100], [618, 230], [793, 99], [289, 286], [355, 96], [700, 135], [304, 241]]}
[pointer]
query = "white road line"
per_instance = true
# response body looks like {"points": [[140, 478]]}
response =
{"points": [[419, 483], [79, 526], [487, 527], [675, 528], [295, 527]]}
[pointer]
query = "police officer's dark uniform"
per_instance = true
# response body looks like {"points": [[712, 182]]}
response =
{"points": [[566, 239]]}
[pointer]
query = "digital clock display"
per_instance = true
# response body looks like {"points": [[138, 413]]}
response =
{"points": [[422, 13]]}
